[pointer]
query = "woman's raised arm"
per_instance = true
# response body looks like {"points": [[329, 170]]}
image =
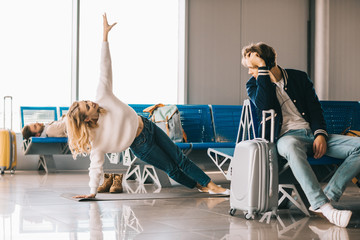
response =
{"points": [[107, 27]]}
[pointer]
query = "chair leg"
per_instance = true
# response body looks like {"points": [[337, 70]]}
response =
{"points": [[156, 176], [133, 172], [292, 230], [47, 163], [267, 216], [298, 203], [219, 160]]}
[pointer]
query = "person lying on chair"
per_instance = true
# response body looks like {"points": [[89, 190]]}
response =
{"points": [[300, 128], [52, 129], [109, 125]]}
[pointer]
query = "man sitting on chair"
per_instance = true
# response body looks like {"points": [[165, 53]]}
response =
{"points": [[300, 128]]}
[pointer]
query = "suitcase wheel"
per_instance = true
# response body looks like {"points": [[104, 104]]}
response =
{"points": [[12, 171], [249, 216], [232, 211], [2, 172]]}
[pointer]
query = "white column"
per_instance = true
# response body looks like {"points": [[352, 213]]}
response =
{"points": [[322, 55], [182, 58], [75, 51]]}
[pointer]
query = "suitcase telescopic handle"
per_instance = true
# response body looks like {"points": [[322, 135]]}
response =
{"points": [[271, 168], [272, 123], [272, 127], [11, 116]]}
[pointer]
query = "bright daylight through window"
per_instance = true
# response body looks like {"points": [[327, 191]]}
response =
{"points": [[36, 54], [144, 49]]}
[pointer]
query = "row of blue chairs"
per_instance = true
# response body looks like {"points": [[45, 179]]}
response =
{"points": [[216, 126], [206, 126]]}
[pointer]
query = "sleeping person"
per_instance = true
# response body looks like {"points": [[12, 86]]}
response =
{"points": [[52, 129]]}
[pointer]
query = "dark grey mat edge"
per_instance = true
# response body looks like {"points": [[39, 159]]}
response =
{"points": [[141, 196]]}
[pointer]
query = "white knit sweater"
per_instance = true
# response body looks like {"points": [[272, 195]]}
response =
{"points": [[117, 127]]}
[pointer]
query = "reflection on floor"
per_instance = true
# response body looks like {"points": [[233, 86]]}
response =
{"points": [[31, 208]]}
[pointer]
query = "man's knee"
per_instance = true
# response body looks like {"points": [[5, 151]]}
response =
{"points": [[288, 146], [356, 151]]}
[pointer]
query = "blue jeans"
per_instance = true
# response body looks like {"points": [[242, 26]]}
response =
{"points": [[295, 145], [156, 148]]}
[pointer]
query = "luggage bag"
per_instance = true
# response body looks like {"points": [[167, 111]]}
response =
{"points": [[254, 175], [8, 152]]}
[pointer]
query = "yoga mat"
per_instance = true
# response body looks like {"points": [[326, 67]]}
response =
{"points": [[140, 196]]}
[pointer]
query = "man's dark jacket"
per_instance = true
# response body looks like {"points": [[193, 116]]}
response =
{"points": [[299, 87]]}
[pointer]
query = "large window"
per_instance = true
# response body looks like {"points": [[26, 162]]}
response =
{"points": [[35, 54], [143, 45], [36, 51]]}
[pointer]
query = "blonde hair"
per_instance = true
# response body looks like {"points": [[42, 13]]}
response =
{"points": [[79, 131]]}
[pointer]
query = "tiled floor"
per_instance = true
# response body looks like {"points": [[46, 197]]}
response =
{"points": [[31, 207]]}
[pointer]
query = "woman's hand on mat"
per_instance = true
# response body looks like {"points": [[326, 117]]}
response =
{"points": [[85, 196], [107, 27]]}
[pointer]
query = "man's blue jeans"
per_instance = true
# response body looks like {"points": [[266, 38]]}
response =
{"points": [[156, 148], [295, 145]]}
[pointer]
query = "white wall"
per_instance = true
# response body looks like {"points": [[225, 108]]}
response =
{"points": [[219, 29], [213, 52], [344, 81]]}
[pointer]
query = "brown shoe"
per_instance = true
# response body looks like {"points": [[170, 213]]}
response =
{"points": [[108, 181], [116, 187]]}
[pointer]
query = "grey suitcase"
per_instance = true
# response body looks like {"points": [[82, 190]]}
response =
{"points": [[254, 175]]}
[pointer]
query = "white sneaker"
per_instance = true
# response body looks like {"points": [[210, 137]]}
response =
{"points": [[332, 233], [340, 218], [226, 192], [317, 211]]}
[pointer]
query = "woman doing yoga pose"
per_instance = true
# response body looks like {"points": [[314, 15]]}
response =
{"points": [[109, 125]]}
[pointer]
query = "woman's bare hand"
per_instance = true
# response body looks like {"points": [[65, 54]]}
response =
{"points": [[107, 27], [85, 196]]}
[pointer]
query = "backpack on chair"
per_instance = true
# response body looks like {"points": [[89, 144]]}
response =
{"points": [[168, 119], [353, 133]]}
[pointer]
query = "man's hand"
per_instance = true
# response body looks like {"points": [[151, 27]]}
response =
{"points": [[85, 196], [272, 77], [319, 146], [254, 59]]}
